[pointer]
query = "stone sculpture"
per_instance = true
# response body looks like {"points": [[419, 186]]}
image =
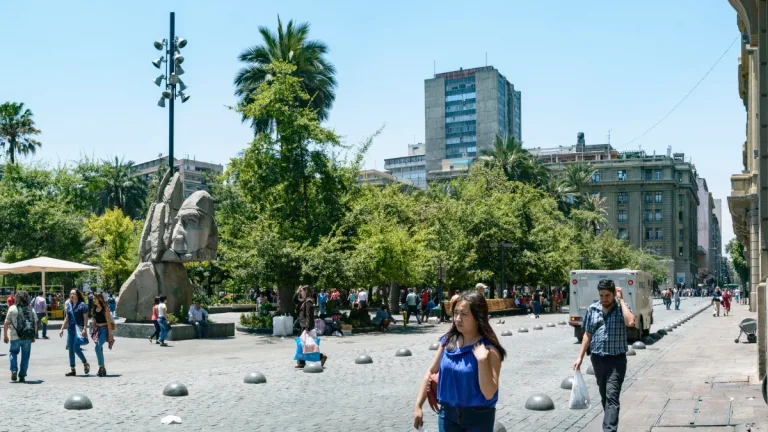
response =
{"points": [[176, 231]]}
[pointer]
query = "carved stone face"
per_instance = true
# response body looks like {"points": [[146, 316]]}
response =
{"points": [[194, 236]]}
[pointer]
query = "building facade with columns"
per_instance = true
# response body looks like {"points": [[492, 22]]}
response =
{"points": [[748, 202]]}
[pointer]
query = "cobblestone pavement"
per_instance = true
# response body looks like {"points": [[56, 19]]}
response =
{"points": [[346, 397]]}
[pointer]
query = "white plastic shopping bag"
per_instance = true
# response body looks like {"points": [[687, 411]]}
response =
{"points": [[308, 344], [579, 393]]}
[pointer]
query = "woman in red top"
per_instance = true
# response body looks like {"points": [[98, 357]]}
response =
{"points": [[727, 301]]}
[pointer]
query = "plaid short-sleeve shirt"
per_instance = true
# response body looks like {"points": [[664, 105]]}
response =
{"points": [[609, 333]]}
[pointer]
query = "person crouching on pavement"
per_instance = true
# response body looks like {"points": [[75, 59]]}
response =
{"points": [[468, 364], [605, 333], [198, 317], [383, 318]]}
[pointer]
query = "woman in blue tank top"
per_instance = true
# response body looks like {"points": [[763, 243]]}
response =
{"points": [[469, 364]]}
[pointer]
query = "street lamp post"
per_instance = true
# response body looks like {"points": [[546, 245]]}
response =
{"points": [[173, 59], [502, 246]]}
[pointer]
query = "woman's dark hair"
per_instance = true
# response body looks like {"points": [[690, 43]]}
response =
{"points": [[79, 295], [163, 298], [157, 300], [479, 309]]}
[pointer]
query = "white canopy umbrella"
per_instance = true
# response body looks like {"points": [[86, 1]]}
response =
{"points": [[44, 265], [4, 268]]}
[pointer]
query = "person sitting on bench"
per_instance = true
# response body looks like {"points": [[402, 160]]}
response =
{"points": [[198, 317]]}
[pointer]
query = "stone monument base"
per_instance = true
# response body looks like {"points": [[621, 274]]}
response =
{"points": [[177, 333]]}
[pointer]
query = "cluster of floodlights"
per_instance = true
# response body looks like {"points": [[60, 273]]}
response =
{"points": [[171, 76]]}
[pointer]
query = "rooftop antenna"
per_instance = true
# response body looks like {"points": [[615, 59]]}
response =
{"points": [[434, 67], [486, 58], [609, 136]]}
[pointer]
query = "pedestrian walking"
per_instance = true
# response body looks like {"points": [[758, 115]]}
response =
{"points": [[412, 304], [536, 304], [40, 306], [727, 301], [362, 299], [424, 303], [162, 320], [717, 297], [156, 334], [112, 303], [101, 330], [468, 366], [306, 310], [322, 301], [605, 331], [677, 298], [75, 319], [481, 288], [21, 321]]}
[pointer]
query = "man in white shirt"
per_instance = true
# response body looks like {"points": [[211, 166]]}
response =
{"points": [[22, 323], [362, 298], [198, 317], [412, 302]]}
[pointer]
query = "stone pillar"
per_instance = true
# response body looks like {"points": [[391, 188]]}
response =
{"points": [[762, 338], [754, 257]]}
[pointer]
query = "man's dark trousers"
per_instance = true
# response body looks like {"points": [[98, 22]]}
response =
{"points": [[609, 372]]}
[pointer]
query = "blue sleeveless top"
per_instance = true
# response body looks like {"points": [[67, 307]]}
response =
{"points": [[459, 383]]}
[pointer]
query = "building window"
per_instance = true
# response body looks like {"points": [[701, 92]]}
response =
{"points": [[658, 198], [621, 198], [659, 250], [658, 215], [648, 216], [621, 216], [680, 249], [659, 234], [679, 177], [648, 198], [621, 175], [647, 175], [649, 233], [680, 234], [596, 177], [657, 174], [597, 231], [622, 234], [680, 200], [680, 216]]}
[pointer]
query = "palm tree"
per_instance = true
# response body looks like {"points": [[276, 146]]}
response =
{"points": [[595, 206], [577, 175], [289, 45], [16, 131], [561, 193], [123, 190], [517, 162]]}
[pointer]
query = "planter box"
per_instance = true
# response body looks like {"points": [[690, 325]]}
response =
{"points": [[253, 330], [178, 331]]}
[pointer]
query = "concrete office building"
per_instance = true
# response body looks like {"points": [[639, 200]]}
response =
{"points": [[651, 200], [192, 172], [409, 169], [704, 215], [748, 202], [464, 111]]}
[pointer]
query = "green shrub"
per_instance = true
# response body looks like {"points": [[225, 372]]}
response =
{"points": [[172, 319], [255, 320]]}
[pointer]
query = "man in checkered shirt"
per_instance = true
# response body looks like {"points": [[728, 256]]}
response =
{"points": [[605, 333]]}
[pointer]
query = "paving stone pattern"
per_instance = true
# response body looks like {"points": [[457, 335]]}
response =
{"points": [[343, 398]]}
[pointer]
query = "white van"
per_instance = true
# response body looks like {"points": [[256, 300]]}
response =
{"points": [[636, 285]]}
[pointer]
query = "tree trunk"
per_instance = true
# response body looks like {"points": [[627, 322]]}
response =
{"points": [[394, 298], [286, 300]]}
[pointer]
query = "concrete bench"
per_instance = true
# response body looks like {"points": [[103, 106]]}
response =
{"points": [[178, 331], [495, 306]]}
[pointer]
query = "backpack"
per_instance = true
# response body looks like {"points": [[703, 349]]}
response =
{"points": [[25, 323]]}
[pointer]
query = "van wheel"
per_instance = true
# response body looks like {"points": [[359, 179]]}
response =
{"points": [[578, 333], [644, 331]]}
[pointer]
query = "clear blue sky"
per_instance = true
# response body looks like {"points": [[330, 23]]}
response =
{"points": [[84, 69]]}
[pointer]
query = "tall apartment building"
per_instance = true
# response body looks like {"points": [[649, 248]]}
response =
{"points": [[704, 216], [651, 200], [192, 172], [464, 111], [409, 169]]}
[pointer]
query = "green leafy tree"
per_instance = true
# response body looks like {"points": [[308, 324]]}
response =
{"points": [[121, 189], [516, 162], [735, 250], [114, 239], [16, 131], [289, 45], [576, 176]]}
